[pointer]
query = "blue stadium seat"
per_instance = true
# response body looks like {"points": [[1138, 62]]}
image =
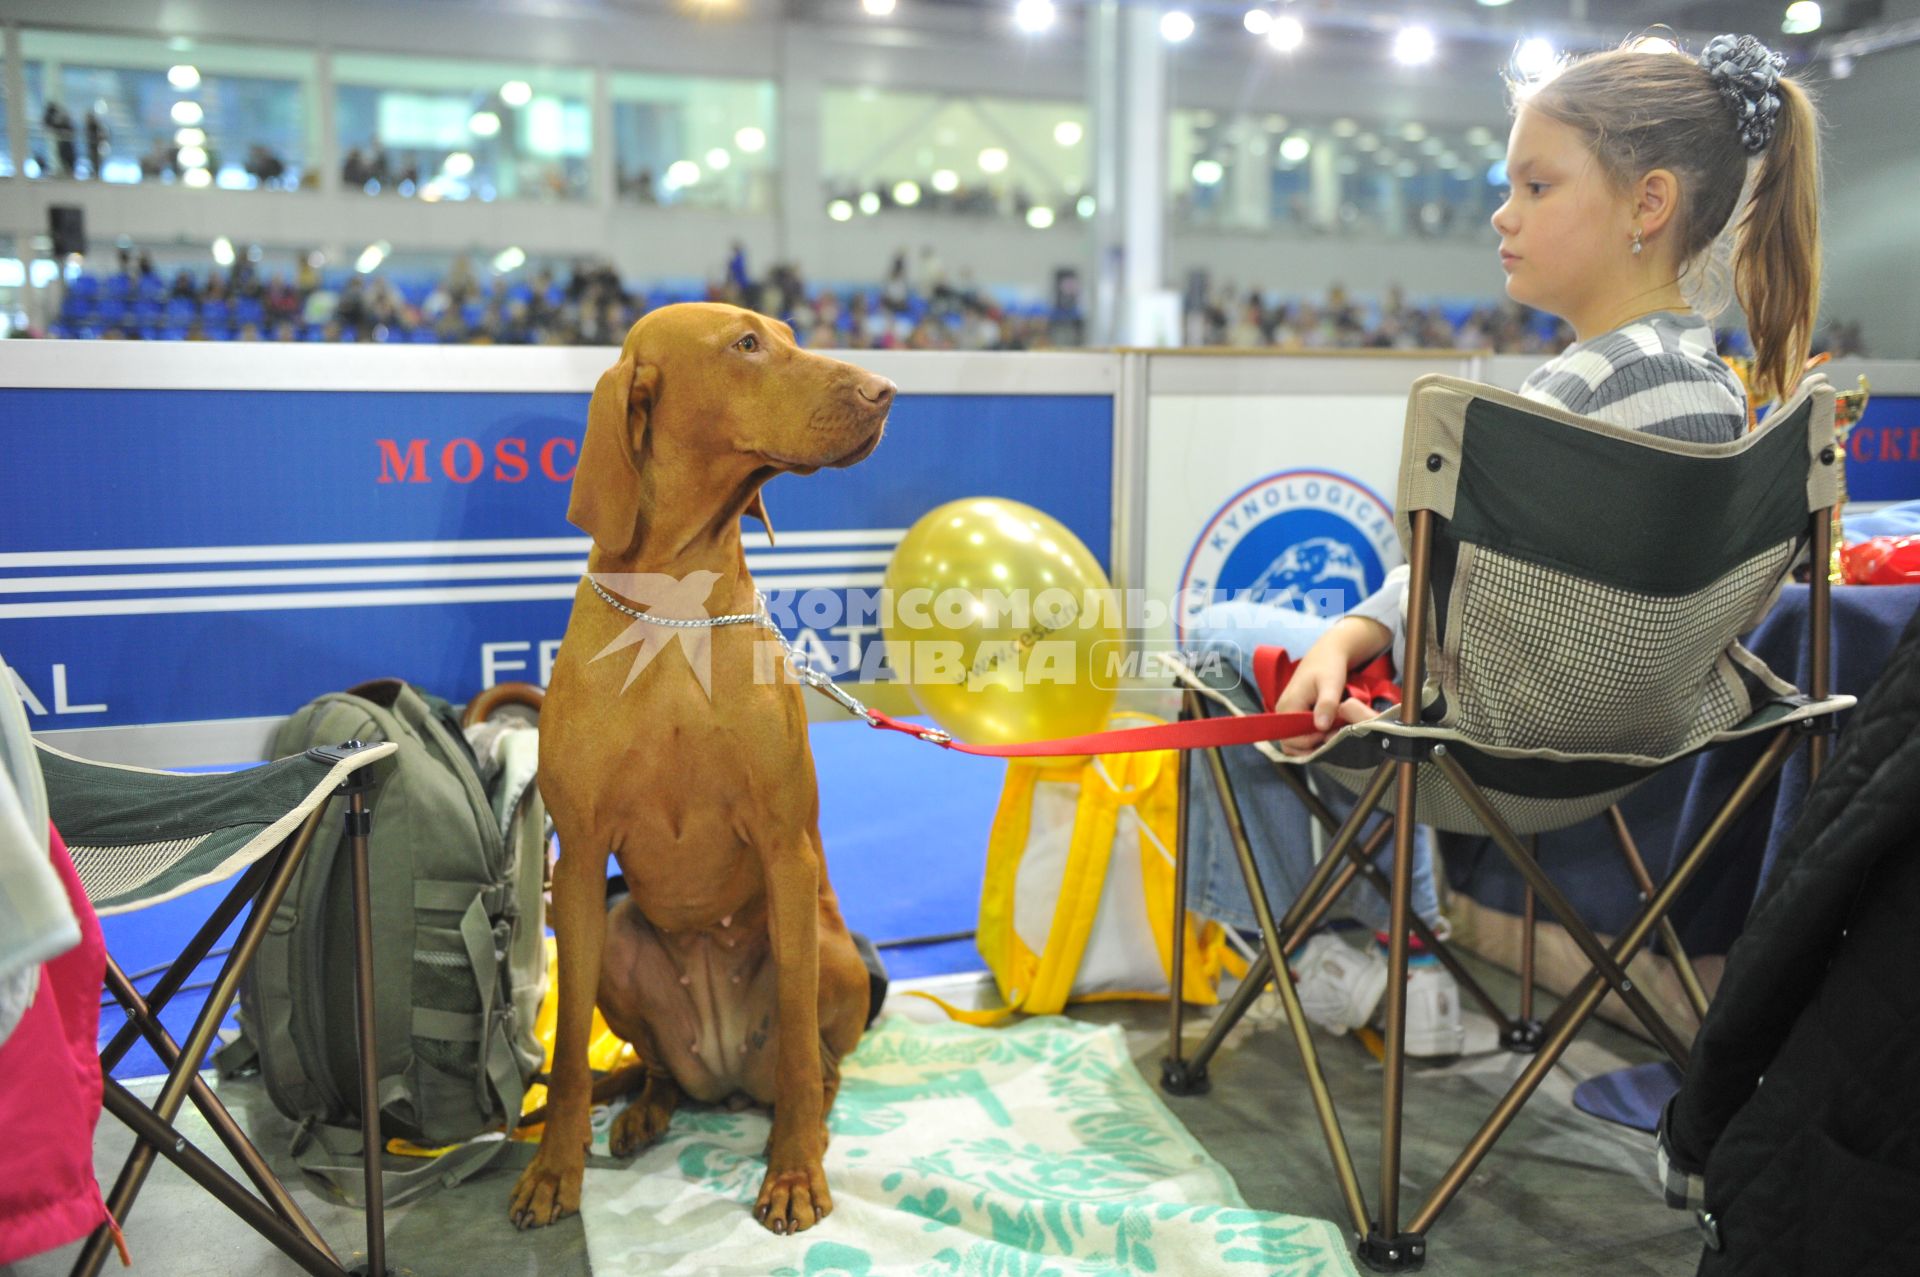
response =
{"points": [[172, 332], [220, 332], [249, 310], [181, 310], [424, 337], [472, 314], [313, 332], [217, 312], [118, 287], [87, 286]]}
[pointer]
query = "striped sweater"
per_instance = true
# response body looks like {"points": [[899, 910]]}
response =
{"points": [[1659, 373]]}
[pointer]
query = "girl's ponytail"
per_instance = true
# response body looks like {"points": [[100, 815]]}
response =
{"points": [[1776, 268]]}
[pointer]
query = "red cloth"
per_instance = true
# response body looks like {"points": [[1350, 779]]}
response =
{"points": [[1371, 684], [50, 1095]]}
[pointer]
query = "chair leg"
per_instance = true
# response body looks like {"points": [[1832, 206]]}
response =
{"points": [[182, 968], [173, 1091], [1290, 998], [1385, 1238], [373, 1148], [1587, 994], [216, 1114], [1528, 922], [157, 1135], [1174, 1075], [1362, 863], [1570, 919], [1682, 964]]}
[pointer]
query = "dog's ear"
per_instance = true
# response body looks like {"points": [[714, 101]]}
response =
{"points": [[610, 489], [757, 507]]}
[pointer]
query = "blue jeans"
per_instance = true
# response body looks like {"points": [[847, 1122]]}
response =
{"points": [[1278, 823]]}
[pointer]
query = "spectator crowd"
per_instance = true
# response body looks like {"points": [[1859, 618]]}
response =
{"points": [[915, 306]]}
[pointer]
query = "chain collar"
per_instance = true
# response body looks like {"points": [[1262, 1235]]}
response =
{"points": [[797, 663]]}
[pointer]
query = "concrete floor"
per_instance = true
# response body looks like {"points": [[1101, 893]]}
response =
{"points": [[1562, 1194]]}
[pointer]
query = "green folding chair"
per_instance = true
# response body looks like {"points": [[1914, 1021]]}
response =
{"points": [[138, 837], [1576, 594]]}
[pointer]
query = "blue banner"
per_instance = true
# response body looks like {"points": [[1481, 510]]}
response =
{"points": [[197, 554], [1883, 451]]}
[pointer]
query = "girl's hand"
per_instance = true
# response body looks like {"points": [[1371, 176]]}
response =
{"points": [[1319, 684]]}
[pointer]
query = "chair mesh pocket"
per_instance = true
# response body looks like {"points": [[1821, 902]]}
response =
{"points": [[1543, 659]]}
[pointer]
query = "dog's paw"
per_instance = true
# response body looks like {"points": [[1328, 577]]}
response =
{"points": [[639, 1124], [548, 1191], [793, 1201]]}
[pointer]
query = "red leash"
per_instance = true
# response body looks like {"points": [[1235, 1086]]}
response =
{"points": [[1372, 683]]}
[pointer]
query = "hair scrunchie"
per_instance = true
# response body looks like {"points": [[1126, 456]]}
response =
{"points": [[1747, 73]]}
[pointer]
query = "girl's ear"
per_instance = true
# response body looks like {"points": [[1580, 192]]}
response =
{"points": [[1657, 200]]}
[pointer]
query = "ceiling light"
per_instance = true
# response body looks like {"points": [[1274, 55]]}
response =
{"points": [[1414, 46], [187, 113], [1208, 172], [840, 211], [516, 93], [1084, 206], [1257, 21], [189, 137], [483, 124], [877, 8], [906, 194], [223, 251], [1802, 16], [371, 256], [993, 160], [1175, 25], [1413, 132], [1534, 58], [1033, 16], [750, 140], [509, 259], [193, 157], [1067, 133], [186, 77], [1295, 148], [869, 202], [1344, 128], [718, 158], [458, 164], [946, 181], [1287, 33], [1494, 4], [1040, 217], [682, 173]]}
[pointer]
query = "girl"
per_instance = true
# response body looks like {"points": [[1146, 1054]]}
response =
{"points": [[1627, 169]]}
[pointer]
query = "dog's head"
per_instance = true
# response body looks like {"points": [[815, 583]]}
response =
{"points": [[720, 399]]}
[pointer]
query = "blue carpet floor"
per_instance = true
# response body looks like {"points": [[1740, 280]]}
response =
{"points": [[905, 827]]}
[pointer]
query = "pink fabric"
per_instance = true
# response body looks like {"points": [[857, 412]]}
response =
{"points": [[50, 1096]]}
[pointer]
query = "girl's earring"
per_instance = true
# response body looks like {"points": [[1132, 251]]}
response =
{"points": [[1636, 241]]}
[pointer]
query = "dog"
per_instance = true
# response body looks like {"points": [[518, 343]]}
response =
{"points": [[728, 967]]}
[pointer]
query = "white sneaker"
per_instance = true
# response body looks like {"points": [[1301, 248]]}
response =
{"points": [[1339, 985], [1433, 1010]]}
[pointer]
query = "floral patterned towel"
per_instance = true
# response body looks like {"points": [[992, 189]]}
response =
{"points": [[1022, 1151]]}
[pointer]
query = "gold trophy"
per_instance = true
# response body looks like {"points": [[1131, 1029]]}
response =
{"points": [[1847, 407]]}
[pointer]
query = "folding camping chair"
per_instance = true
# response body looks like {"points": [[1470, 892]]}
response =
{"points": [[139, 837], [1576, 591]]}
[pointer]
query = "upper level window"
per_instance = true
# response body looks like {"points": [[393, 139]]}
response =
{"points": [[128, 109], [439, 129], [701, 141]]}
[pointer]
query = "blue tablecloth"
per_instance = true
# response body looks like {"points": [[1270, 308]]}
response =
{"points": [[1667, 813]]}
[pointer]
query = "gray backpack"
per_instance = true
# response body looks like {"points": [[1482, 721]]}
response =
{"points": [[458, 927]]}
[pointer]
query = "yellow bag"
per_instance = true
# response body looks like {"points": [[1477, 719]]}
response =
{"points": [[1077, 905]]}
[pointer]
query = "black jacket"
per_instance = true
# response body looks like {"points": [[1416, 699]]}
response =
{"points": [[1817, 1171]]}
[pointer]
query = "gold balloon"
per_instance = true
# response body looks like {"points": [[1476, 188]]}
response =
{"points": [[1002, 624]]}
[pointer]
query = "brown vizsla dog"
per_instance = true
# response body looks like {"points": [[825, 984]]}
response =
{"points": [[728, 968]]}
